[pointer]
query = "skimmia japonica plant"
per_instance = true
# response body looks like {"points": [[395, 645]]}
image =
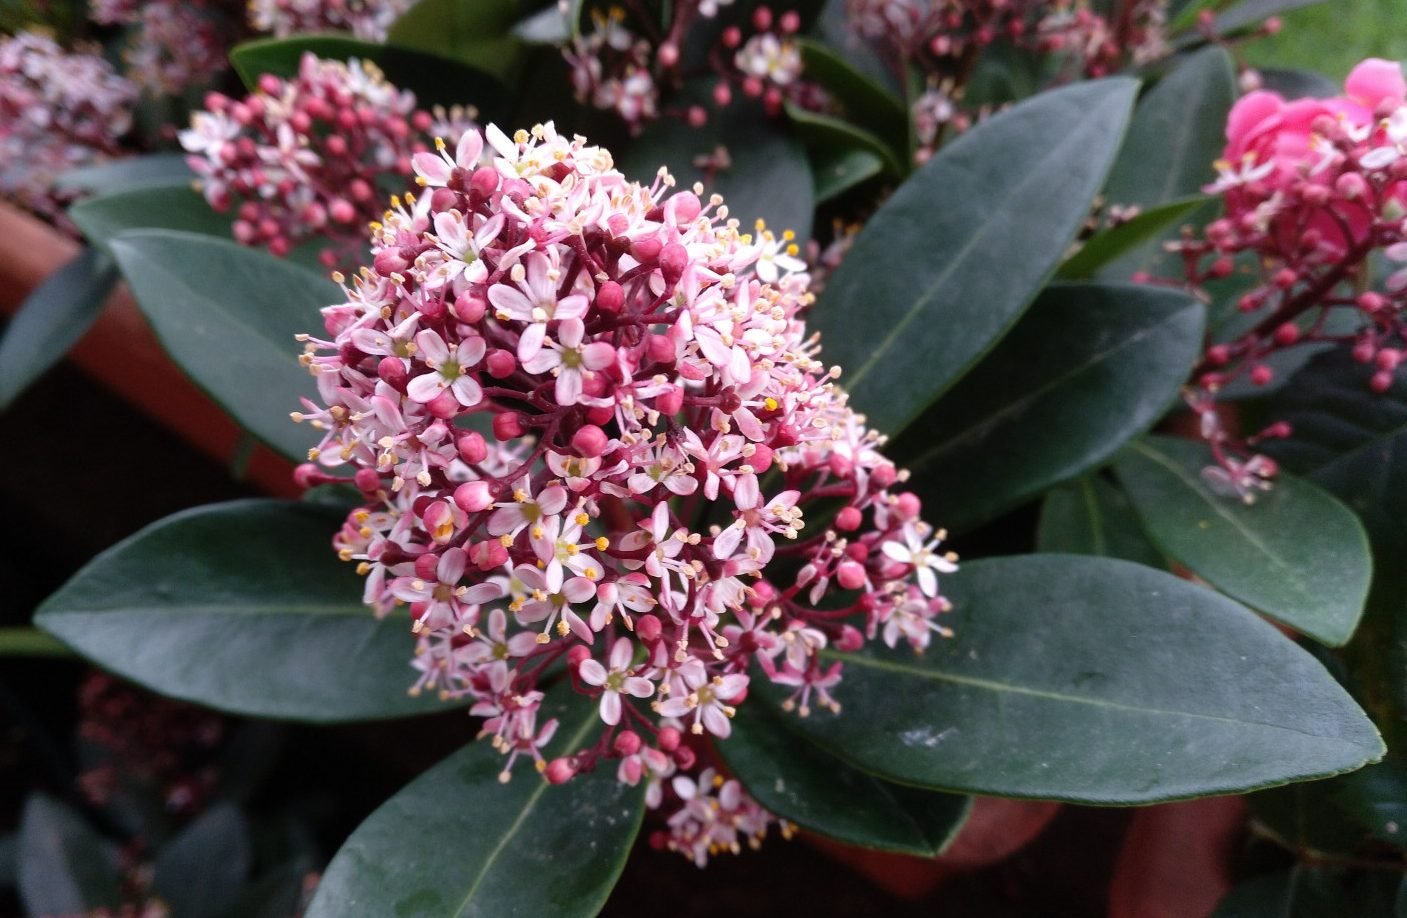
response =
{"points": [[649, 364]]}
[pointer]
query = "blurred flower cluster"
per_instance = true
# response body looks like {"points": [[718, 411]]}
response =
{"points": [[591, 428], [311, 157], [368, 19], [58, 111]]}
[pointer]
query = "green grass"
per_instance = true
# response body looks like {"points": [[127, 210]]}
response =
{"points": [[1331, 37]]}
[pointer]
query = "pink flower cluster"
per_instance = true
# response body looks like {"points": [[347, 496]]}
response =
{"points": [[672, 496], [173, 45], [1312, 188], [367, 19], [617, 69], [930, 32], [307, 158], [58, 111]]}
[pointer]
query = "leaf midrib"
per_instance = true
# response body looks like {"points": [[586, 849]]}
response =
{"points": [[1048, 695], [1039, 392], [997, 208], [1280, 563], [587, 723]]}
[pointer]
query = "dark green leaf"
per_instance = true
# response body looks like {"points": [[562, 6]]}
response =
{"points": [[1376, 799], [863, 101], [801, 783], [767, 176], [435, 79], [842, 156], [1252, 12], [1091, 516], [1300, 892], [1296, 554], [243, 607], [456, 842], [1177, 132], [228, 315], [949, 262], [160, 206], [202, 869], [478, 32], [1088, 367], [1298, 84], [64, 866], [1118, 241], [1302, 817], [1095, 681], [52, 319], [132, 172]]}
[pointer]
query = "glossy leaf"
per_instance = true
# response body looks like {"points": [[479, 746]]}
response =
{"points": [[64, 866], [1091, 516], [1252, 12], [130, 172], [1088, 367], [931, 283], [864, 102], [200, 871], [1176, 133], [243, 607], [1296, 554], [434, 78], [803, 784], [228, 316], [52, 319], [1094, 681], [1298, 84], [842, 155], [1120, 240], [478, 32], [158, 206], [457, 842], [767, 176]]}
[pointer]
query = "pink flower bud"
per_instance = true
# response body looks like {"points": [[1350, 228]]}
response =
{"points": [[627, 742], [850, 639], [484, 181], [471, 446], [488, 555], [469, 307], [578, 655], [559, 771], [1218, 355], [909, 506], [790, 22], [426, 564], [668, 55], [698, 116], [589, 441], [761, 459], [1262, 375], [444, 406], [610, 297], [674, 258], [647, 250], [684, 757], [762, 18], [848, 519], [668, 739], [1288, 333], [1363, 352], [507, 426], [732, 37], [850, 576], [473, 496], [660, 349], [1388, 358], [307, 474], [501, 363], [722, 94], [1371, 301], [648, 628], [367, 481], [392, 371]]}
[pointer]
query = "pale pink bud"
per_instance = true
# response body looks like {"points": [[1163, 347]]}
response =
{"points": [[469, 307], [426, 564], [848, 519], [648, 628], [668, 739], [627, 742], [850, 575], [471, 446], [500, 363], [610, 297], [850, 639], [473, 496]]}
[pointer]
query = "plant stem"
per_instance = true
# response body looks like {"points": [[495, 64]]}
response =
{"points": [[27, 641]]}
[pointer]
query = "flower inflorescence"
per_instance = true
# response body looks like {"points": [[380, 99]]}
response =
{"points": [[1312, 189], [305, 158], [367, 19], [591, 429]]}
